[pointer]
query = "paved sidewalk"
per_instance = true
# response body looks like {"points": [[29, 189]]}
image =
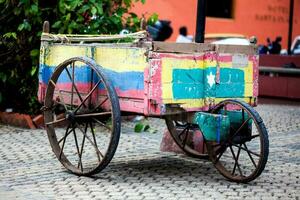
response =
{"points": [[29, 170]]}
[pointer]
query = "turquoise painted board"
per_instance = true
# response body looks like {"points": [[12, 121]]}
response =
{"points": [[215, 127]]}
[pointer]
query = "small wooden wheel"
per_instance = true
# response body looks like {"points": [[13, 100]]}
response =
{"points": [[242, 156], [183, 134], [82, 116]]}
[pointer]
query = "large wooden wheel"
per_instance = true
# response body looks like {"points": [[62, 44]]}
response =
{"points": [[82, 116], [243, 155]]}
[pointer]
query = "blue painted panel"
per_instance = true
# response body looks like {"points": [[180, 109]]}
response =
{"points": [[121, 80], [232, 83], [199, 83], [187, 83]]}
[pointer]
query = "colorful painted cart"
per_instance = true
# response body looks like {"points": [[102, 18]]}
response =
{"points": [[88, 82]]}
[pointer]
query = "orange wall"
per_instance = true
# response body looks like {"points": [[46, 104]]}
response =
{"points": [[267, 18]]}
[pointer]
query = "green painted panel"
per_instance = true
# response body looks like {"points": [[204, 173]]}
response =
{"points": [[215, 127]]}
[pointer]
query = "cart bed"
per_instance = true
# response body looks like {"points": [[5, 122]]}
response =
{"points": [[158, 78]]}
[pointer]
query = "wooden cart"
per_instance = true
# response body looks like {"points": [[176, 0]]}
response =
{"points": [[88, 82]]}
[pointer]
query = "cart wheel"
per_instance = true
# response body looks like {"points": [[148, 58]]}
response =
{"points": [[243, 155], [182, 133], [82, 116]]}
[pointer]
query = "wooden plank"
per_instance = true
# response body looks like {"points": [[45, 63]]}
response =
{"points": [[182, 47], [236, 49], [90, 38]]}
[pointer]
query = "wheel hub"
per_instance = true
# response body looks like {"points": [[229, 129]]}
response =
{"points": [[70, 116]]}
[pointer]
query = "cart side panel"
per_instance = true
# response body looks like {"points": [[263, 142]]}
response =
{"points": [[193, 82], [125, 66], [51, 55]]}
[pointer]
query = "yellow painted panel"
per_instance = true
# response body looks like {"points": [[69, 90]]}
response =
{"points": [[213, 63], [168, 64], [186, 103], [121, 59], [56, 54], [198, 103]]}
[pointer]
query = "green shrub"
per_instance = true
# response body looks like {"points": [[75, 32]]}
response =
{"points": [[20, 30]]}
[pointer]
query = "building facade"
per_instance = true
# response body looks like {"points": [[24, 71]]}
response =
{"points": [[263, 19]]}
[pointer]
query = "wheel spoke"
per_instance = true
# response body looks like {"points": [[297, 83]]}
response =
{"points": [[73, 75], [94, 138], [100, 104], [73, 83], [93, 115], [64, 140], [253, 136], [59, 94], [236, 160], [55, 121], [223, 149], [186, 136], [240, 128], [251, 158], [102, 124], [217, 144], [91, 85], [247, 150], [92, 143], [88, 96], [182, 132], [65, 136], [81, 150], [76, 142]]}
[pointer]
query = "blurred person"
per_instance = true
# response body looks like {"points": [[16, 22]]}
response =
{"points": [[161, 30], [183, 37], [265, 49], [276, 46]]}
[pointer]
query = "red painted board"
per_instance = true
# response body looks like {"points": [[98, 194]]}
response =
{"points": [[293, 87], [278, 60], [273, 86]]}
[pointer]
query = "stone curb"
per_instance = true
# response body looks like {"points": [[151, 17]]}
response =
{"points": [[16, 119]]}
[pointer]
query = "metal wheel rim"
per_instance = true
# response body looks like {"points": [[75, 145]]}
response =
{"points": [[263, 153], [115, 115]]}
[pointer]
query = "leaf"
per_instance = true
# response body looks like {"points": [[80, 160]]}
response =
{"points": [[152, 19], [138, 127], [68, 17], [33, 70], [94, 10], [10, 35], [56, 24], [20, 27], [62, 7], [83, 9], [3, 77], [127, 3], [34, 52], [34, 9], [99, 8]]}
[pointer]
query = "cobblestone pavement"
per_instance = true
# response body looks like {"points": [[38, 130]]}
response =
{"points": [[29, 170]]}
